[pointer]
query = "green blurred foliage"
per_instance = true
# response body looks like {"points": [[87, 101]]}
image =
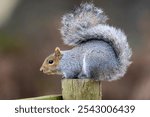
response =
{"points": [[10, 44]]}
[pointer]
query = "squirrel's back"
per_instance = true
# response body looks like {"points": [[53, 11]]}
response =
{"points": [[92, 59]]}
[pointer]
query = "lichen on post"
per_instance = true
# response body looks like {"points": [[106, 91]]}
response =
{"points": [[81, 89]]}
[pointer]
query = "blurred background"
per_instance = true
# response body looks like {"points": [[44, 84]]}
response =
{"points": [[29, 31]]}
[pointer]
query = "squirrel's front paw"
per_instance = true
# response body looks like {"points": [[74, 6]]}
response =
{"points": [[69, 76]]}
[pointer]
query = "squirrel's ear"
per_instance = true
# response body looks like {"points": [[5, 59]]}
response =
{"points": [[57, 52]]}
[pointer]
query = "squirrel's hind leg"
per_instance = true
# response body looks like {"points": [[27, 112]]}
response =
{"points": [[90, 68], [85, 73]]}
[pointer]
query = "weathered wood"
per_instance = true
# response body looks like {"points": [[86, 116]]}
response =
{"points": [[81, 89], [47, 97]]}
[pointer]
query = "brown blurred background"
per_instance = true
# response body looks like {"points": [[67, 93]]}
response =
{"points": [[29, 31]]}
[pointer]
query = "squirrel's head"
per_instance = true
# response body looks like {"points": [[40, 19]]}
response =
{"points": [[50, 64]]}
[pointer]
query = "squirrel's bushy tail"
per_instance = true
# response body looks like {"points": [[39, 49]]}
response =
{"points": [[89, 22]]}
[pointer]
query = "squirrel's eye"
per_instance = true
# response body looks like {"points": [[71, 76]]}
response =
{"points": [[50, 61]]}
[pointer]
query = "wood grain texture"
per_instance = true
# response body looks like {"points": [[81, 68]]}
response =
{"points": [[81, 89]]}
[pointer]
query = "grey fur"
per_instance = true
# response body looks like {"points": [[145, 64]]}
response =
{"points": [[88, 24], [84, 17]]}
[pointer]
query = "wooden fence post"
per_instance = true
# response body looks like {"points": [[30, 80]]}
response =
{"points": [[81, 89]]}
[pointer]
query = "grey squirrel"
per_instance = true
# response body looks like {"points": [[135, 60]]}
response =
{"points": [[100, 51]]}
